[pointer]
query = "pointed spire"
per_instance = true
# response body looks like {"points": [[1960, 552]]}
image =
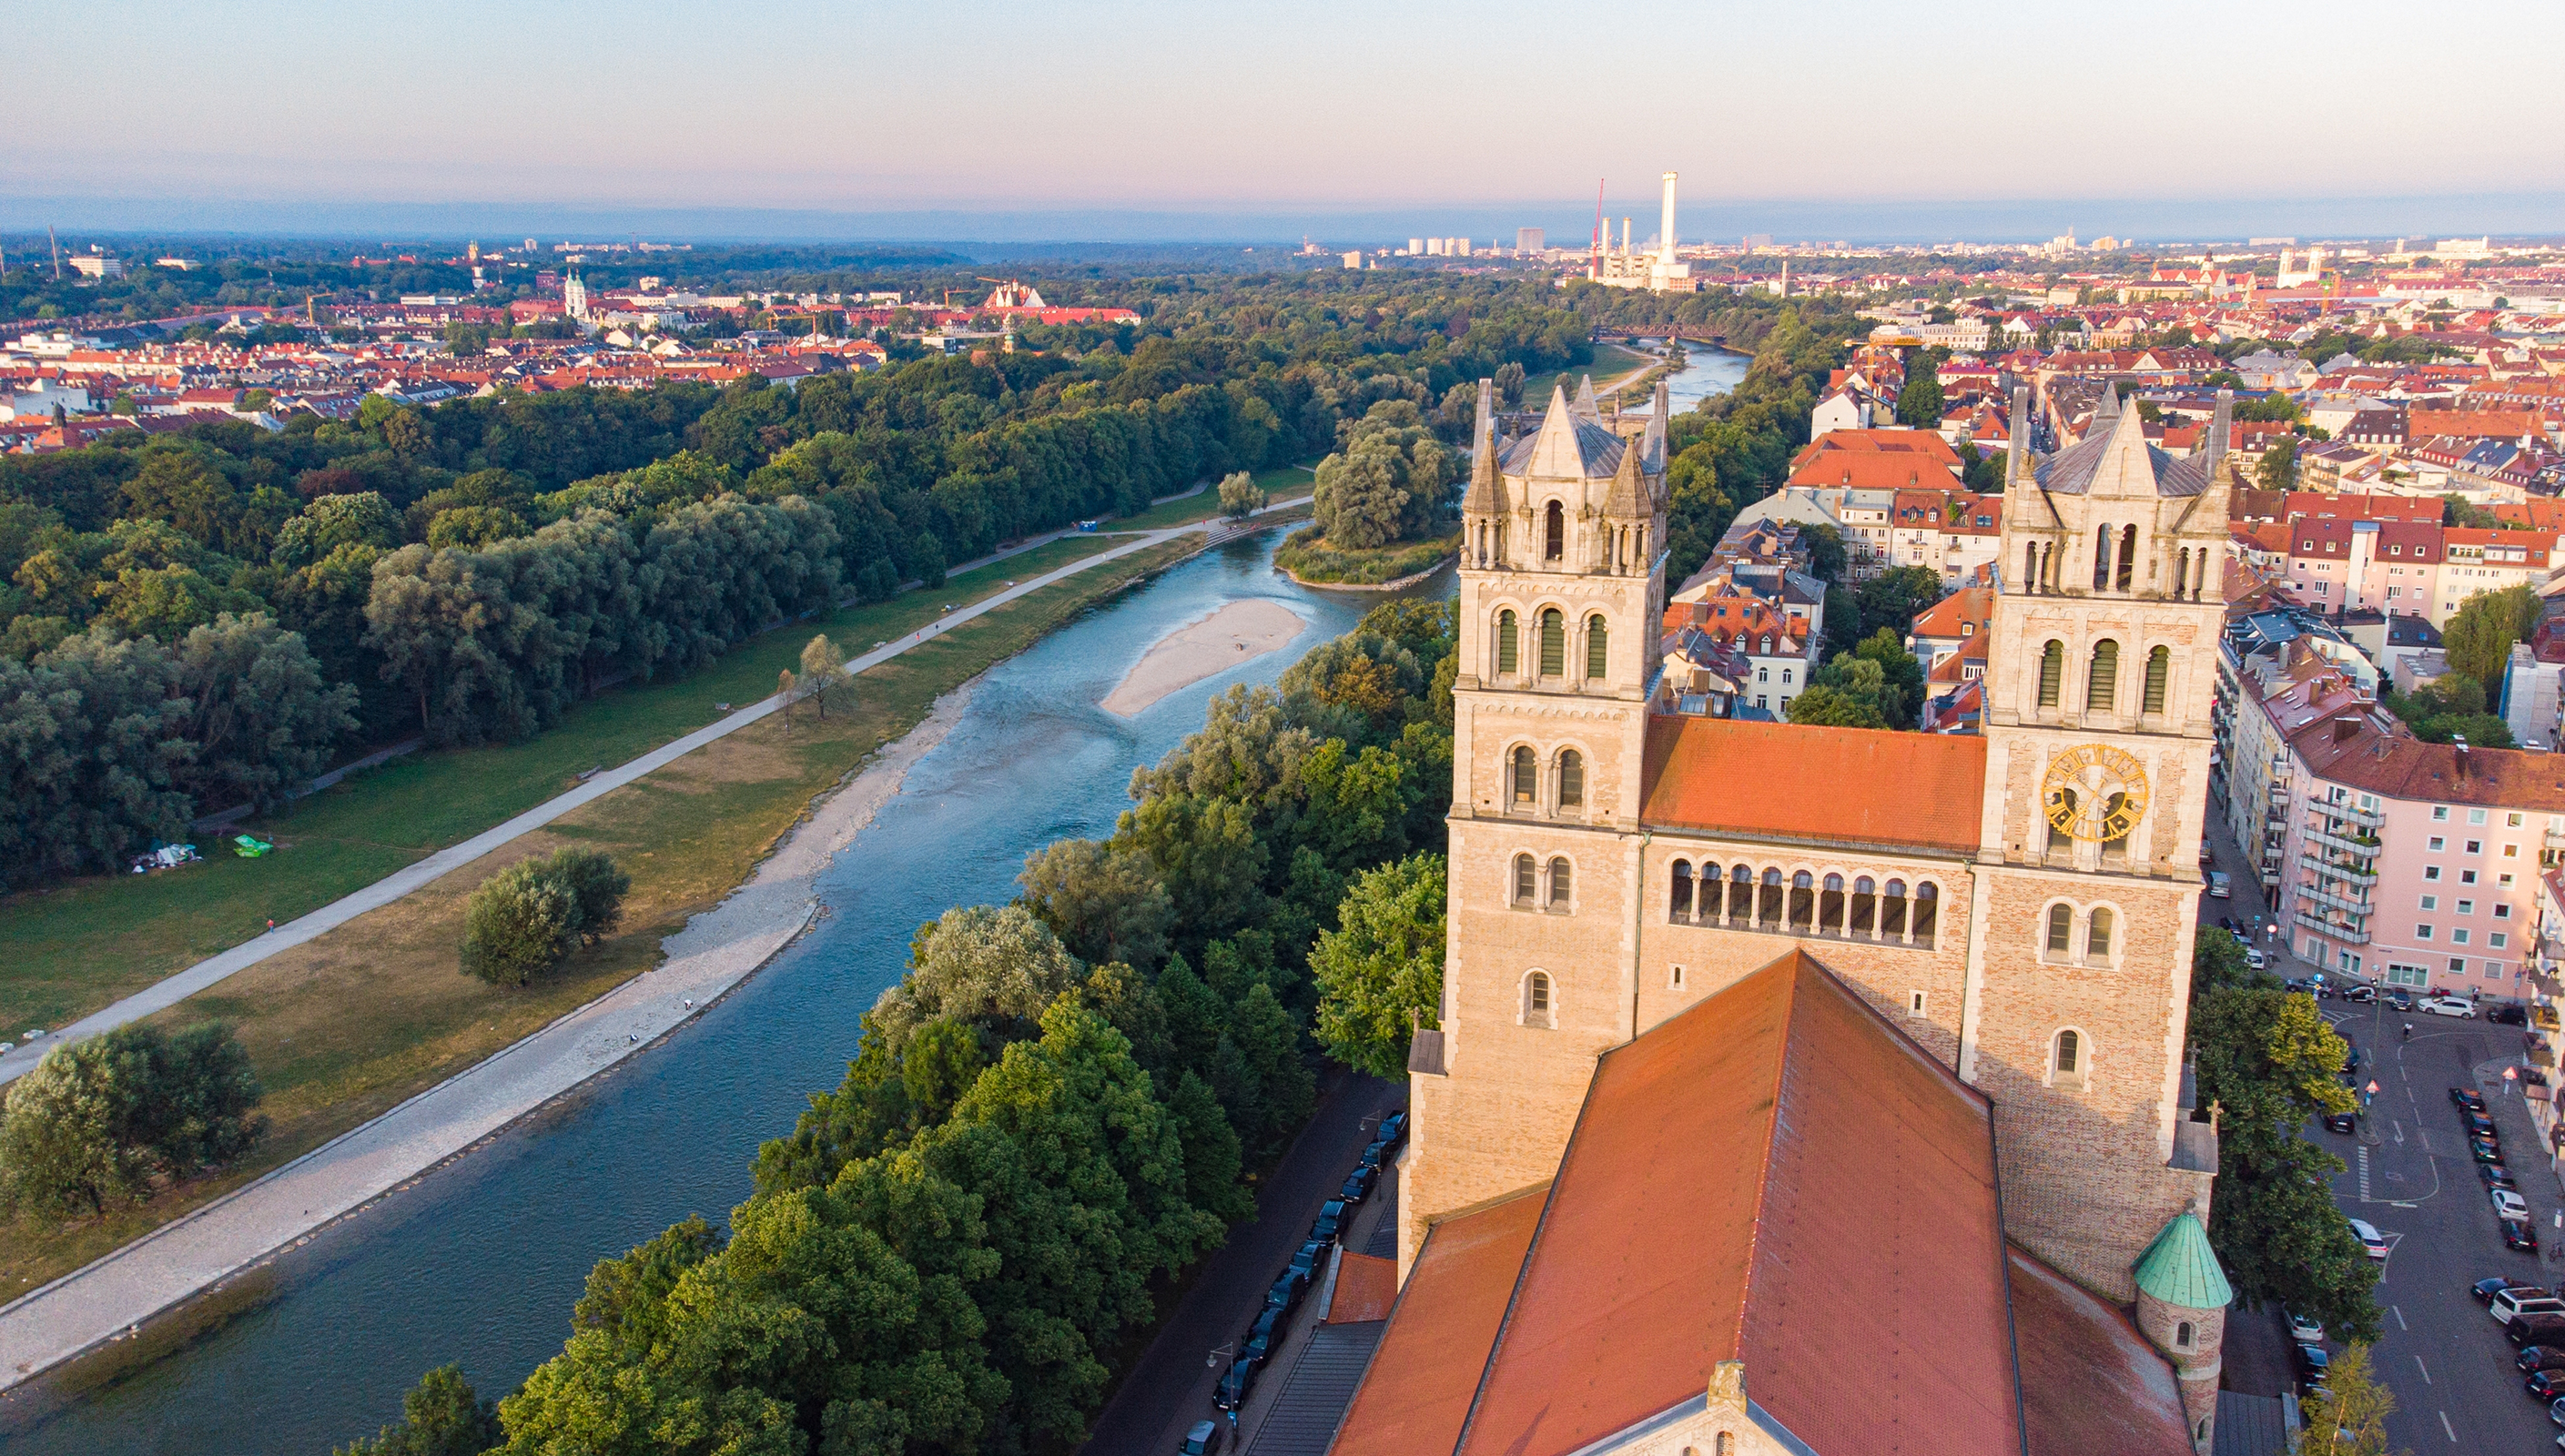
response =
{"points": [[1486, 492], [1555, 454], [2110, 406], [2222, 426], [1585, 404], [1652, 440], [1623, 499]]}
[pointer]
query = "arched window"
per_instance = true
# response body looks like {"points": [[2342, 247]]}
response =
{"points": [[1536, 999], [1767, 902], [2066, 1061], [1680, 909], [1741, 895], [1767, 644], [1571, 779], [2061, 929], [1598, 648], [1928, 910], [2101, 557], [2159, 674], [2030, 566], [1804, 901], [2097, 937], [1553, 642], [1506, 655], [1704, 896], [2052, 665], [1527, 778], [1831, 906], [1527, 880], [2128, 562], [1558, 886], [2182, 1335], [1891, 912], [1865, 907], [2180, 571], [2102, 683], [1555, 526]]}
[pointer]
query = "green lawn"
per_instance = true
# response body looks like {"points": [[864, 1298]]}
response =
{"points": [[1281, 484], [1611, 361], [69, 950]]}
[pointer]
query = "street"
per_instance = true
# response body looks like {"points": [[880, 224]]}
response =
{"points": [[2409, 1174]]}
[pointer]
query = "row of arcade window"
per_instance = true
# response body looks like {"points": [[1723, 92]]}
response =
{"points": [[1538, 886], [2115, 563], [1863, 909], [1551, 642], [2102, 677], [1523, 780]]}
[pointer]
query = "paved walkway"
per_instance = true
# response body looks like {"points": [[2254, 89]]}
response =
{"points": [[713, 953]]}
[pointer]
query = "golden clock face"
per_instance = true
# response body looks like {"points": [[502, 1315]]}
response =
{"points": [[2094, 792]]}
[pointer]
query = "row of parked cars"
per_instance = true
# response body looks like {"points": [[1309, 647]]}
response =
{"points": [[2534, 1320], [2484, 1145], [1289, 1287]]}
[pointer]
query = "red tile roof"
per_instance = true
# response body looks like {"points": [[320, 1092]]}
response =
{"points": [[2091, 1385], [1829, 784], [1365, 1288], [1416, 1394]]}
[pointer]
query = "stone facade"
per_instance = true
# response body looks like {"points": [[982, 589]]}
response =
{"points": [[2056, 971]]}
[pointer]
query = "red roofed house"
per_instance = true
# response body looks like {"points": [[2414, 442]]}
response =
{"points": [[1760, 1043]]}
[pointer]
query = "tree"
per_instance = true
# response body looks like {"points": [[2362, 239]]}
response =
{"points": [[2279, 468], [440, 1416], [991, 966], [1105, 904], [1918, 402], [1827, 705], [462, 339], [927, 559], [2348, 1412], [1380, 972], [99, 1121], [1826, 558], [262, 718], [528, 918], [1891, 600], [2479, 636], [1240, 497], [823, 671], [1509, 384]]}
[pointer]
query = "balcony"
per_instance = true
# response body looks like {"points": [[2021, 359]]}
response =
{"points": [[2278, 797], [2349, 935], [2545, 983], [2349, 813], [2542, 1018], [2348, 873], [2344, 903], [2556, 839], [2342, 842]]}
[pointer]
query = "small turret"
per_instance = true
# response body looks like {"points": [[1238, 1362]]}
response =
{"points": [[1483, 505], [2181, 1308]]}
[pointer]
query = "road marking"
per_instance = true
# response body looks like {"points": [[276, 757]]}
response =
{"points": [[2399, 1317], [2453, 1430], [2400, 1131], [2425, 1370], [2364, 1175]]}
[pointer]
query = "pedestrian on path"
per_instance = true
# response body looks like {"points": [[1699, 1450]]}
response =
{"points": [[271, 925]]}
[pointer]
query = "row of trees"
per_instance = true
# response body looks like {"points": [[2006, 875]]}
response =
{"points": [[1053, 1108]]}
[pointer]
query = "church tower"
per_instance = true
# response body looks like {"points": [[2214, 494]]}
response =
{"points": [[2100, 677], [1562, 588]]}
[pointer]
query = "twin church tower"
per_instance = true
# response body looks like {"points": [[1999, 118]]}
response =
{"points": [[2019, 903]]}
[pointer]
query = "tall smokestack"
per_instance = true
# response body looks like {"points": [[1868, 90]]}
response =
{"points": [[1666, 229], [1625, 237]]}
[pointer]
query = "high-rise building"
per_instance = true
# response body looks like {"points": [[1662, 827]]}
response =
{"points": [[1725, 998], [1529, 242]]}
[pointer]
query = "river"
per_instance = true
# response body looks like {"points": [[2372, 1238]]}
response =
{"points": [[479, 1262]]}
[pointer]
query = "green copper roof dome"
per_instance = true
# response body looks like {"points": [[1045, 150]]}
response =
{"points": [[2178, 1268]]}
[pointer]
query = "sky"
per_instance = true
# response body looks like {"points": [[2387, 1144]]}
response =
{"points": [[1147, 119]]}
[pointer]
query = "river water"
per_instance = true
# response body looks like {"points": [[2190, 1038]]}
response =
{"points": [[479, 1262]]}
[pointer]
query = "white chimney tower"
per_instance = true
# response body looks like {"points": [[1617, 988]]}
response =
{"points": [[1666, 230]]}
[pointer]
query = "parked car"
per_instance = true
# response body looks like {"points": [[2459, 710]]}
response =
{"points": [[2218, 885], [2519, 1233], [1358, 1185], [1393, 1129], [1331, 1222], [2304, 1329], [2370, 1238], [2539, 1358], [2556, 1413], [2261, 961], [1287, 1291], [2400, 1000], [2226, 922], [2483, 1149], [2485, 1288], [2536, 1329], [2509, 1015], [2468, 1097], [2546, 1385], [1234, 1385], [2312, 1363], [2479, 1124], [1305, 1262], [2342, 1122], [1207, 1438], [1261, 1336], [2459, 1006], [2495, 1176], [2362, 993], [1377, 1155], [2523, 1299]]}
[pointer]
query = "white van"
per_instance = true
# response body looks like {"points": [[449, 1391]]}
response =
{"points": [[2219, 887], [2524, 1300]]}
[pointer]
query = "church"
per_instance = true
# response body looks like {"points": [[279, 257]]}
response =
{"points": [[1814, 1090]]}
